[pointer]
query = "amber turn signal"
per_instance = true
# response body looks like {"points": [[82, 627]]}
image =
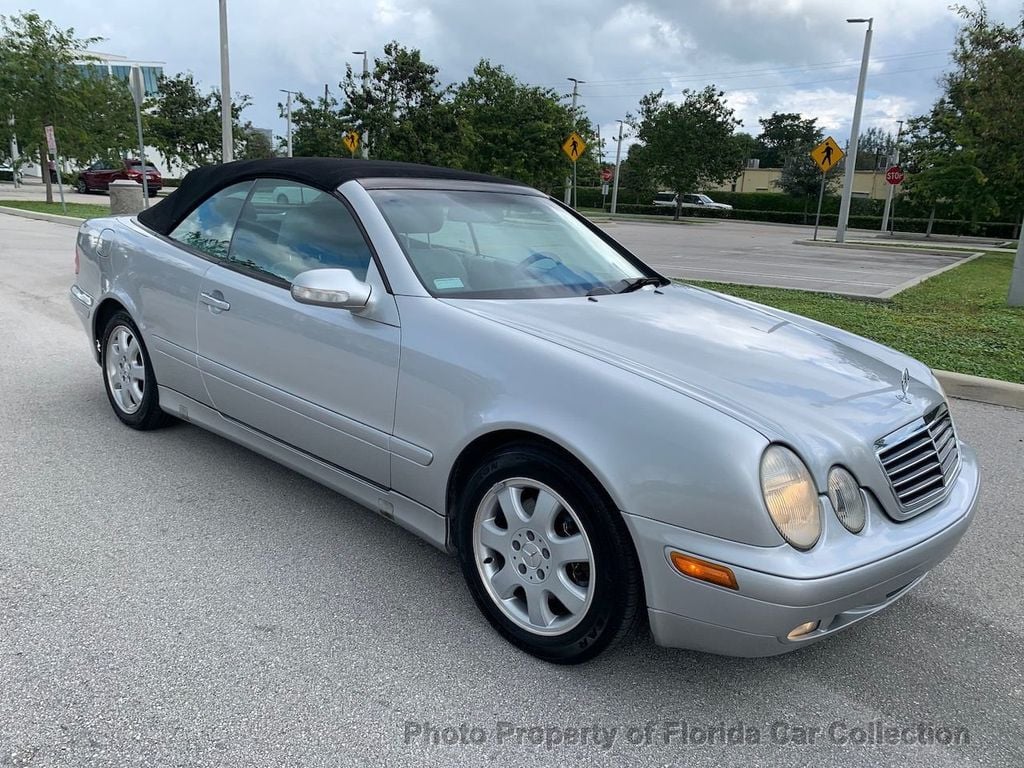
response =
{"points": [[696, 568]]}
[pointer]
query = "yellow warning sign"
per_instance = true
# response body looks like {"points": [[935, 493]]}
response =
{"points": [[827, 154], [574, 146], [351, 141]]}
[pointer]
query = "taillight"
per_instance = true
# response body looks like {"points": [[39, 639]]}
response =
{"points": [[77, 263]]}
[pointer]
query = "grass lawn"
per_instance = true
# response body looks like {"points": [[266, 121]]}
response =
{"points": [[957, 321], [78, 210]]}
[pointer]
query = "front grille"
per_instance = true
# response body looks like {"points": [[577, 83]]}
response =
{"points": [[921, 460]]}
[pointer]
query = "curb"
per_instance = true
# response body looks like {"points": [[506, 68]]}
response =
{"points": [[69, 221], [982, 390]]}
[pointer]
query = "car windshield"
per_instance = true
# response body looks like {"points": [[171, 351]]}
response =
{"points": [[501, 245]]}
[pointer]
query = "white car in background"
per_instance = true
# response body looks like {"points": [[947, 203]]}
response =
{"points": [[668, 200]]}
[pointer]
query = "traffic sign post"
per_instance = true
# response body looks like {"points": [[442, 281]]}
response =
{"points": [[826, 156], [51, 148], [573, 146]]}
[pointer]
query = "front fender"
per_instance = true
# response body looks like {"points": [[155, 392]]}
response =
{"points": [[657, 452]]}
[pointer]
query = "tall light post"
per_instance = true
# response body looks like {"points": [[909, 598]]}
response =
{"points": [[288, 116], [227, 144], [894, 159], [850, 168], [570, 185], [364, 144], [615, 181]]}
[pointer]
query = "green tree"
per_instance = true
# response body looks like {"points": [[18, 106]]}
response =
{"points": [[317, 126], [801, 177], [404, 108], [41, 83], [783, 134], [874, 147], [183, 123], [255, 144], [511, 129], [689, 145]]}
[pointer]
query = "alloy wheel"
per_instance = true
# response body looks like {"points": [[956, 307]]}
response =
{"points": [[125, 368]]}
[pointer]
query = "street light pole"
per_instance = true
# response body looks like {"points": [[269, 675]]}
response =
{"points": [[570, 185], [288, 116], [894, 159], [364, 148], [615, 181], [227, 143], [850, 168]]}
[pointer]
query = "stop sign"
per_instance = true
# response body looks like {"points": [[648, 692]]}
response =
{"points": [[894, 175], [606, 174]]}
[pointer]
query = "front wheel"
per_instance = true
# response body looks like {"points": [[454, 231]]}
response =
{"points": [[547, 556], [82, 189], [128, 375]]}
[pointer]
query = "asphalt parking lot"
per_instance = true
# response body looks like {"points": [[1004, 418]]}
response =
{"points": [[169, 598], [766, 254]]}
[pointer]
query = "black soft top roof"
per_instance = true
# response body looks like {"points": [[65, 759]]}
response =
{"points": [[324, 173]]}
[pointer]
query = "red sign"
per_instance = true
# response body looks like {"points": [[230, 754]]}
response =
{"points": [[606, 174], [894, 175]]}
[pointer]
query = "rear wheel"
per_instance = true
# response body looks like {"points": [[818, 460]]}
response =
{"points": [[128, 375], [546, 555]]}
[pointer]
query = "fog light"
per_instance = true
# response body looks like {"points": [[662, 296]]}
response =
{"points": [[696, 568], [804, 629]]}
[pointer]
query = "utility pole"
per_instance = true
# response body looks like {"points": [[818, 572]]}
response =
{"points": [[850, 169], [894, 159], [288, 115], [365, 143], [615, 181], [227, 143], [570, 184], [15, 159]]}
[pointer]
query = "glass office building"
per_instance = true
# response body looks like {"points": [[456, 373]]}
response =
{"points": [[109, 65]]}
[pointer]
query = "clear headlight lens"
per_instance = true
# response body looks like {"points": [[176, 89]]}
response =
{"points": [[847, 499], [790, 496]]}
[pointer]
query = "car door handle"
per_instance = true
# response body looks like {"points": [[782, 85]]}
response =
{"points": [[214, 302]]}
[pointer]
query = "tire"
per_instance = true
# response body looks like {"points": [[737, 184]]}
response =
{"points": [[82, 189], [128, 375], [517, 515]]}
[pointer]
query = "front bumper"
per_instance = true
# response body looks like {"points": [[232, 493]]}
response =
{"points": [[756, 619]]}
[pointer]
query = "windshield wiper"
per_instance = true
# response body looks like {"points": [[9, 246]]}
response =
{"points": [[640, 282]]}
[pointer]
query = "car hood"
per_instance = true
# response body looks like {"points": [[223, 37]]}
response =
{"points": [[791, 379]]}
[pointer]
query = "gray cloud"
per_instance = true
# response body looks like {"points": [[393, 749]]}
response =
{"points": [[793, 55]]}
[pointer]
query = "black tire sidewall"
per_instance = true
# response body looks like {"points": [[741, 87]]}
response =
{"points": [[149, 414], [615, 563]]}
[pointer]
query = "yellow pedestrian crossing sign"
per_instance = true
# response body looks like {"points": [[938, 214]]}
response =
{"points": [[827, 155], [351, 142], [574, 146]]}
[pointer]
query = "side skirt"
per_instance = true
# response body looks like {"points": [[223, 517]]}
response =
{"points": [[409, 514]]}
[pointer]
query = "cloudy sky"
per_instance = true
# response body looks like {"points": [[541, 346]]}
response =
{"points": [[785, 55]]}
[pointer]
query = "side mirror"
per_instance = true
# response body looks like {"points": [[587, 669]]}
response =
{"points": [[337, 288]]}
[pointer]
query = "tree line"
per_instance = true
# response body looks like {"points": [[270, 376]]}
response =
{"points": [[967, 153]]}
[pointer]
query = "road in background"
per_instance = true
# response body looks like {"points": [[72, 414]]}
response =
{"points": [[168, 598], [766, 254]]}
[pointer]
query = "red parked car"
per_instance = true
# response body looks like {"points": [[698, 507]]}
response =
{"points": [[97, 177]]}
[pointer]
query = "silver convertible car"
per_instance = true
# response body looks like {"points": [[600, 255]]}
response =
{"points": [[475, 361]]}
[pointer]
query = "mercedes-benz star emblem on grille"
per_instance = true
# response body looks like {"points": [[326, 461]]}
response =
{"points": [[904, 394]]}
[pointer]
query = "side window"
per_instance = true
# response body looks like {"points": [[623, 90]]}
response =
{"points": [[312, 230], [208, 228]]}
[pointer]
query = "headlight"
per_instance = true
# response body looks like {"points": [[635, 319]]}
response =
{"points": [[847, 499], [790, 496]]}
